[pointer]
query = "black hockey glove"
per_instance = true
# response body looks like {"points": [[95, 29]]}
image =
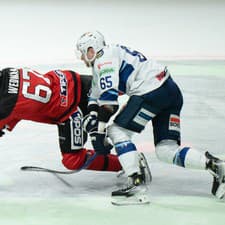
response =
{"points": [[90, 123], [100, 143], [1, 133]]}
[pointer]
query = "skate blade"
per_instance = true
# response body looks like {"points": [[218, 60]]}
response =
{"points": [[220, 193], [131, 200], [147, 168]]}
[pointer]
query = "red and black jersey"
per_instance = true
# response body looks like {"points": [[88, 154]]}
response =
{"points": [[28, 95]]}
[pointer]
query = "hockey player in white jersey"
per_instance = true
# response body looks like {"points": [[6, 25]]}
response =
{"points": [[153, 96]]}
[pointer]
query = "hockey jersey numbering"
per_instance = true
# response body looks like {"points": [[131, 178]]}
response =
{"points": [[119, 69], [29, 95]]}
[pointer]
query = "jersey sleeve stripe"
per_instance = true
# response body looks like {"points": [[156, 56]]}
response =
{"points": [[110, 95], [124, 73]]}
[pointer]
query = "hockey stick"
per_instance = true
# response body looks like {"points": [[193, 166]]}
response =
{"points": [[62, 180], [42, 169]]}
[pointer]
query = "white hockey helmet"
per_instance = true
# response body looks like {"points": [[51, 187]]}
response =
{"points": [[88, 40]]}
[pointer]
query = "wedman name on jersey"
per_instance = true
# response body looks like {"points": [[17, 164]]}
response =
{"points": [[13, 87]]}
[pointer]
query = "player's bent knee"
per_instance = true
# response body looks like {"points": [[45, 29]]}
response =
{"points": [[166, 150], [74, 161]]}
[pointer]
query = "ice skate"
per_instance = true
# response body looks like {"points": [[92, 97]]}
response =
{"points": [[216, 167], [134, 194], [144, 168]]}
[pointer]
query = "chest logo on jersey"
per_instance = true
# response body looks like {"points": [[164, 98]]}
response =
{"points": [[106, 70], [13, 85], [63, 88]]}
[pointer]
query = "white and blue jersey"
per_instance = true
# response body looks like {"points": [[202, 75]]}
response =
{"points": [[119, 69]]}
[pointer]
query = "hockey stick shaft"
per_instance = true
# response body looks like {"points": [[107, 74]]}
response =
{"points": [[42, 169]]}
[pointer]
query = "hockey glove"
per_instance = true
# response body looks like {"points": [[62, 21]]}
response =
{"points": [[90, 123], [100, 143]]}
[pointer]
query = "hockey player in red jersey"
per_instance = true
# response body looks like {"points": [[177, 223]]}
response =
{"points": [[57, 97]]}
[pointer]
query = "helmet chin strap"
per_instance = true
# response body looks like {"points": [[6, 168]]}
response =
{"points": [[88, 64]]}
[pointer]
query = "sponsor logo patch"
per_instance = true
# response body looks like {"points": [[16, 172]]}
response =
{"points": [[103, 64], [106, 70], [63, 88], [77, 131], [174, 123]]}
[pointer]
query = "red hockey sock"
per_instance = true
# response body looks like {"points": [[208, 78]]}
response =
{"points": [[74, 161], [108, 162]]}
